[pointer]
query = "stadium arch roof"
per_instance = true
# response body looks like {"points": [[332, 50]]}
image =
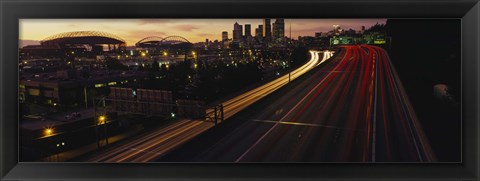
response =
{"points": [[83, 37]]}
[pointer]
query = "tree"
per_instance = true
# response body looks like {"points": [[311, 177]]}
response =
{"points": [[113, 64]]}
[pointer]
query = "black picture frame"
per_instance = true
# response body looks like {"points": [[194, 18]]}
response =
{"points": [[12, 11]]}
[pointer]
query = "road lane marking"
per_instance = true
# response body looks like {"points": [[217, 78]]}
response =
{"points": [[290, 111], [307, 124]]}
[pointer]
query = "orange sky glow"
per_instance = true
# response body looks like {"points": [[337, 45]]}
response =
{"points": [[195, 30]]}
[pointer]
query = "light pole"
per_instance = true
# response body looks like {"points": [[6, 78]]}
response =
{"points": [[289, 70], [95, 123], [102, 120]]}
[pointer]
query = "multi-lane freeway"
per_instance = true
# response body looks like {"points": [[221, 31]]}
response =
{"points": [[240, 102], [157, 142], [353, 108]]}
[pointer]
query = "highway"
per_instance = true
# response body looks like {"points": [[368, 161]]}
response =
{"points": [[159, 141], [351, 109], [240, 102]]}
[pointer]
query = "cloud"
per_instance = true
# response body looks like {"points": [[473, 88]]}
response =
{"points": [[145, 33], [206, 34], [134, 36], [187, 28], [153, 21], [23, 43], [72, 26]]}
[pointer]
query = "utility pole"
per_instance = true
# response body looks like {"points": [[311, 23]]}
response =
{"points": [[86, 100], [105, 122], [290, 59], [215, 115], [95, 124]]}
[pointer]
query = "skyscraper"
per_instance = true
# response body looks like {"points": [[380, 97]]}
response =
{"points": [[224, 36], [267, 29], [237, 32], [248, 30], [259, 31], [279, 30]]}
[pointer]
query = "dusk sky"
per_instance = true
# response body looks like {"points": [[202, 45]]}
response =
{"points": [[195, 30]]}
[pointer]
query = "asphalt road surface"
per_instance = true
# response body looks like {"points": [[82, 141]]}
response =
{"points": [[159, 141], [353, 108]]}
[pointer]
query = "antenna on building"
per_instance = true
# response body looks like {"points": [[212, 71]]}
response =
{"points": [[290, 31]]}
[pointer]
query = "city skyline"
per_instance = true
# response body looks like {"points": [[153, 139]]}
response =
{"points": [[341, 92], [195, 30]]}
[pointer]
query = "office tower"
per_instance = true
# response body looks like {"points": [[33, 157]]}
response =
{"points": [[248, 30], [237, 32], [259, 31], [224, 36], [279, 30], [267, 29]]}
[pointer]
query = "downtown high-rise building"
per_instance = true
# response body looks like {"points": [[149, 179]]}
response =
{"points": [[224, 36], [259, 31], [267, 29], [248, 30], [237, 32], [278, 30]]}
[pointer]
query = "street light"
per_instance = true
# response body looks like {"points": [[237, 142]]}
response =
{"points": [[101, 120], [48, 131]]}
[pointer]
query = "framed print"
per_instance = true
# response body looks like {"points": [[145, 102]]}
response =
{"points": [[239, 90]]}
